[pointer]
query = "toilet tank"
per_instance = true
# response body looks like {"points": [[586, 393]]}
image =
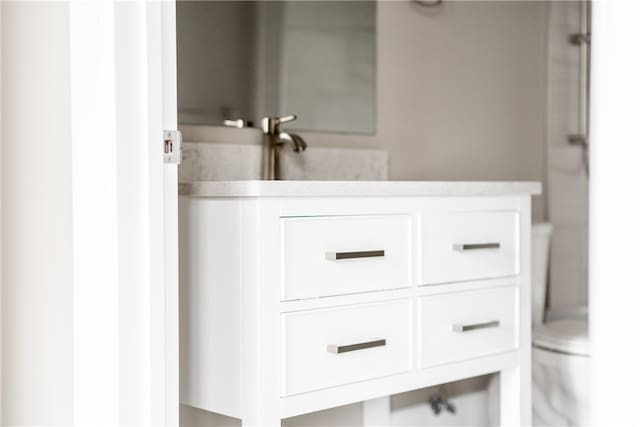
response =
{"points": [[540, 244]]}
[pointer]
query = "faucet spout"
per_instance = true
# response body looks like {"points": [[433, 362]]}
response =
{"points": [[273, 139], [298, 142]]}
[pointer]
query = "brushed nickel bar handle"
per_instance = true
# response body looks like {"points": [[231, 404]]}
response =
{"points": [[461, 247], [338, 349], [466, 327], [335, 256]]}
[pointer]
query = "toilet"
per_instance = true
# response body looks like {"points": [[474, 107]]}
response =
{"points": [[561, 353]]}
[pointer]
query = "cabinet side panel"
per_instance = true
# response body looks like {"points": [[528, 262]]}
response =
{"points": [[210, 304]]}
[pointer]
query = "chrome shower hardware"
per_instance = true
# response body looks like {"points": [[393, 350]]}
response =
{"points": [[582, 40]]}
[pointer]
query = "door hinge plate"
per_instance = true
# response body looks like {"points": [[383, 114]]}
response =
{"points": [[172, 146]]}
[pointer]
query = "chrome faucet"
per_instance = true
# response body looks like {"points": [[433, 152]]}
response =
{"points": [[273, 140]]}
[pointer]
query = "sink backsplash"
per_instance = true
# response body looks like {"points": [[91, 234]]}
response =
{"points": [[204, 161]]}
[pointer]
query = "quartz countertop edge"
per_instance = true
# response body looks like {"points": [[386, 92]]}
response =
{"points": [[357, 188]]}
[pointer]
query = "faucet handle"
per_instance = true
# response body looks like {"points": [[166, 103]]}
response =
{"points": [[238, 123], [270, 125], [285, 119]]}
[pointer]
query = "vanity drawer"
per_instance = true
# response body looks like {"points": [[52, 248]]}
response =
{"points": [[459, 246], [465, 325], [330, 347], [337, 255]]}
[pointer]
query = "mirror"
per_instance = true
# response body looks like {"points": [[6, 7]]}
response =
{"points": [[251, 59]]}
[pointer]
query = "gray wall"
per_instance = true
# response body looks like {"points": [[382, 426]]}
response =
{"points": [[461, 92]]}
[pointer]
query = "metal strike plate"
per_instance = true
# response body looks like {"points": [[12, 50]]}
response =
{"points": [[172, 147]]}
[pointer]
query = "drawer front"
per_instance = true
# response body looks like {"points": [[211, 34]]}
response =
{"points": [[338, 255], [468, 246], [331, 347], [465, 325]]}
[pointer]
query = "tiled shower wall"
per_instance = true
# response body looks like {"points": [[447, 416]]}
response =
{"points": [[567, 180]]}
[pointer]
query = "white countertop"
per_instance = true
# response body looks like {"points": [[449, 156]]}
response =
{"points": [[357, 188]]}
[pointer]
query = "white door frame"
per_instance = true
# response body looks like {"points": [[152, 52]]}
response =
{"points": [[614, 223], [170, 193], [123, 95]]}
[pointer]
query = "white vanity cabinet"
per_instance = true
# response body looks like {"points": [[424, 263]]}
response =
{"points": [[302, 296]]}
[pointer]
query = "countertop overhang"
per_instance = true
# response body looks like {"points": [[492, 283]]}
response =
{"points": [[202, 189]]}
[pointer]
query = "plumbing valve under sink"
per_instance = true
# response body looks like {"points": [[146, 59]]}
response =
{"points": [[437, 402]]}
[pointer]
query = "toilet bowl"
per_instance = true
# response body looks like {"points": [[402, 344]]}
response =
{"points": [[561, 353]]}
